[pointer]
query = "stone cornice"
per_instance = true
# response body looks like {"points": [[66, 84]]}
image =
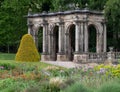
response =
{"points": [[44, 14]]}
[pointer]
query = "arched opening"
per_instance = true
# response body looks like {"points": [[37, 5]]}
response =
{"points": [[40, 39], [55, 42], [71, 46], [92, 38]]}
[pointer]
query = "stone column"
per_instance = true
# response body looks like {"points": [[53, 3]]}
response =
{"points": [[105, 37], [81, 38], [99, 41], [50, 45], [45, 38], [77, 37], [85, 37], [30, 25], [45, 55], [35, 37], [61, 38], [66, 45], [61, 54], [97, 46], [49, 40]]}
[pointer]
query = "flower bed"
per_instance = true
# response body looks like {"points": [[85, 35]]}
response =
{"points": [[37, 77]]}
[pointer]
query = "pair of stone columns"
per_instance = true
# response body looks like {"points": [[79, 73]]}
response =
{"points": [[81, 37]]}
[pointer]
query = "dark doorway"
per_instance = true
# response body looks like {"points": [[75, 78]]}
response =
{"points": [[71, 46], [40, 39], [55, 43], [92, 38]]}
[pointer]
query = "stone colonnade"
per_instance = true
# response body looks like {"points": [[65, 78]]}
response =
{"points": [[63, 20]]}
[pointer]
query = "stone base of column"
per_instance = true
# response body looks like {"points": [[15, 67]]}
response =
{"points": [[61, 57], [80, 58], [45, 57]]}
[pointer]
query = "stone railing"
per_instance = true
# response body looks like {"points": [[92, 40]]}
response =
{"points": [[101, 57], [110, 56], [97, 57], [117, 55]]}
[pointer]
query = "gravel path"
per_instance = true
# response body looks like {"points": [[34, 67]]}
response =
{"points": [[68, 64]]}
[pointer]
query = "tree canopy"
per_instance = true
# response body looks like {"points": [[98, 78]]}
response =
{"points": [[112, 13], [13, 25]]}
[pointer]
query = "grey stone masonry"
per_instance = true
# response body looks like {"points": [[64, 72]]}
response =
{"points": [[57, 36]]}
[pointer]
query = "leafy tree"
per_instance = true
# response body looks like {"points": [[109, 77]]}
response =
{"points": [[112, 14], [67, 4], [12, 23], [97, 4]]}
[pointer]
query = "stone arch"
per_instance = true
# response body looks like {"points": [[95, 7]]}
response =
{"points": [[64, 21], [67, 26], [92, 38], [99, 35], [55, 41], [40, 38], [36, 29], [70, 39]]}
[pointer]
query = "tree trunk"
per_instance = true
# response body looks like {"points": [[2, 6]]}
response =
{"points": [[8, 48]]}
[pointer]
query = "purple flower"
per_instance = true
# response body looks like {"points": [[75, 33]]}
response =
{"points": [[1, 67], [101, 71]]}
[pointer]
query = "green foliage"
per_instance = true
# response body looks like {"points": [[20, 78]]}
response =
{"points": [[27, 50], [56, 84], [77, 87], [109, 70], [112, 14], [33, 89], [7, 66], [11, 85], [12, 21], [58, 71], [6, 56], [97, 4], [110, 87]]}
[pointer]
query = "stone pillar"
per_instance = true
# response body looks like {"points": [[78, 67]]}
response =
{"points": [[85, 37], [105, 38], [110, 56], [52, 53], [49, 42], [61, 37], [101, 42], [45, 55], [35, 37], [66, 45], [30, 25], [77, 37], [50, 45], [97, 42], [81, 38], [45, 39], [61, 54]]}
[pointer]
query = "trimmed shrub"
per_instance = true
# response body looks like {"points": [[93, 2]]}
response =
{"points": [[27, 50]]}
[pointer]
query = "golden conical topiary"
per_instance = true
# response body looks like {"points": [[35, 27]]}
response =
{"points": [[27, 50]]}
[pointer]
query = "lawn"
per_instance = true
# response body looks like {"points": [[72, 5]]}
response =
{"points": [[7, 56], [41, 77]]}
